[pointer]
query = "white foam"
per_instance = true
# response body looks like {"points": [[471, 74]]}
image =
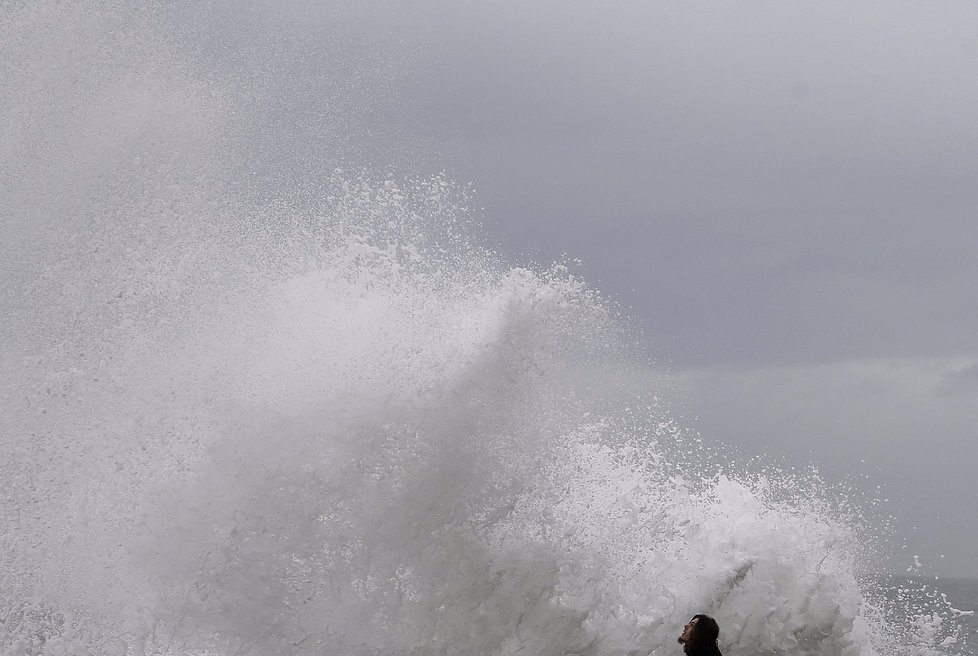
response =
{"points": [[334, 423]]}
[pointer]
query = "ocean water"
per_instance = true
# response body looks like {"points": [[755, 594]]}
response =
{"points": [[963, 595], [908, 595], [263, 396]]}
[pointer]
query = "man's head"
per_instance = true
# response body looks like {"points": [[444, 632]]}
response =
{"points": [[700, 633]]}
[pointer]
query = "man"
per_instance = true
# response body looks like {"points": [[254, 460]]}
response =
{"points": [[699, 637]]}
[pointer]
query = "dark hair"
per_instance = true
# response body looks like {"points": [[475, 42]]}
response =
{"points": [[704, 638]]}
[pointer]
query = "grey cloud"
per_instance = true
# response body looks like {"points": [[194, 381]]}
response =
{"points": [[782, 194], [741, 219], [959, 381]]}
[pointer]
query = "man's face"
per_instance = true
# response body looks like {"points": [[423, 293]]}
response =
{"points": [[688, 631]]}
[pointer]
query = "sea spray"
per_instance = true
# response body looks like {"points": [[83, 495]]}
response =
{"points": [[319, 417]]}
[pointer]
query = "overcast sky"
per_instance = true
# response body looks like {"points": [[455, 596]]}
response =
{"points": [[783, 194]]}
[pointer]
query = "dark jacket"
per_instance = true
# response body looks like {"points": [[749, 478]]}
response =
{"points": [[702, 650]]}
